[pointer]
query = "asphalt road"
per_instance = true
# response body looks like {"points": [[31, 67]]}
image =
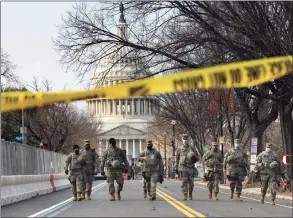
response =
{"points": [[132, 204]]}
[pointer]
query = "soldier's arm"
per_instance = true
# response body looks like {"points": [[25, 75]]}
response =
{"points": [[96, 160], [141, 155], [123, 155], [67, 162], [195, 158], [161, 164], [103, 161], [246, 161], [225, 160]]}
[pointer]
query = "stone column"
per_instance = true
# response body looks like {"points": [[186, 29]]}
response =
{"points": [[108, 107], [127, 152], [126, 107], [97, 107], [140, 146], [132, 107], [138, 106], [120, 107], [133, 148], [100, 107], [107, 143], [114, 107], [144, 107], [150, 107], [120, 143]]}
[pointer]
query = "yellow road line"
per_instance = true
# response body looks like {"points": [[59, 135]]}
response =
{"points": [[197, 214], [175, 205]]}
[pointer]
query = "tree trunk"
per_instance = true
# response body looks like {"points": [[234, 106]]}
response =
{"points": [[257, 132], [286, 123]]}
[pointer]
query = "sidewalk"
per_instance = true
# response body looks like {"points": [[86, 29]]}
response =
{"points": [[253, 191]]}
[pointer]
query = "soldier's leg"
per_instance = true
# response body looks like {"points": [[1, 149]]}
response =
{"points": [[232, 187], [216, 185], [79, 186], [89, 185], [144, 188], [110, 181], [184, 186], [73, 182], [84, 182], [153, 183], [239, 181], [263, 190], [120, 182], [273, 192], [210, 184]]}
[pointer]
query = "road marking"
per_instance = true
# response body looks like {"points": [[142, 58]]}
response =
{"points": [[63, 203], [249, 198], [184, 206]]}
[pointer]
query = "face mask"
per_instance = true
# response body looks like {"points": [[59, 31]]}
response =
{"points": [[237, 145], [149, 147], [76, 151], [268, 150], [87, 147]]}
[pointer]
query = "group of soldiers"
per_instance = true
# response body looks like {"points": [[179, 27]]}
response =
{"points": [[235, 165]]}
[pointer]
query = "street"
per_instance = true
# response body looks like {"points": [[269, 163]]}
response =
{"points": [[132, 204]]}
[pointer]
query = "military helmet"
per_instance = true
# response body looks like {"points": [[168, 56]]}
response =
{"points": [[215, 144], [185, 137], [269, 145], [149, 142], [237, 141], [274, 165], [86, 141]]}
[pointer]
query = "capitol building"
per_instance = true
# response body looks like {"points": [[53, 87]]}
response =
{"points": [[126, 120]]}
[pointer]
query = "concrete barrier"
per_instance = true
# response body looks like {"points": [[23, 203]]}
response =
{"points": [[22, 187]]}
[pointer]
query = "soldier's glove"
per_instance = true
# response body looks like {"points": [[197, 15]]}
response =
{"points": [[66, 171], [103, 174]]}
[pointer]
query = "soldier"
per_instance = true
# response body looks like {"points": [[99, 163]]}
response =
{"points": [[90, 168], [113, 159], [213, 161], [237, 160], [76, 163], [185, 160], [271, 170], [152, 169]]}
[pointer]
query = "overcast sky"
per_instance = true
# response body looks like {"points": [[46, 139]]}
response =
{"points": [[27, 29]]}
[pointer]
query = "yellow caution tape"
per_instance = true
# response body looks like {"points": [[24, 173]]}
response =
{"points": [[235, 75]]}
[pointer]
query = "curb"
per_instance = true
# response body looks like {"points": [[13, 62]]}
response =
{"points": [[245, 191]]}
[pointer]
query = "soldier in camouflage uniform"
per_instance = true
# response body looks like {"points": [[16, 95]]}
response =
{"points": [[213, 161], [237, 160], [90, 168], [271, 170], [76, 163], [185, 160], [152, 169], [113, 159]]}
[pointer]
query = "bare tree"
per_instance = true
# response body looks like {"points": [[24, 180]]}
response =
{"points": [[8, 75]]}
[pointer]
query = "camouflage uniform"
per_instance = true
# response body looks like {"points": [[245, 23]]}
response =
{"points": [[185, 160], [111, 155], [237, 160], [271, 169], [91, 166], [76, 163], [213, 161], [152, 169]]}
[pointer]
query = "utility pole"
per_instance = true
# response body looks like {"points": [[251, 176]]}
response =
{"points": [[23, 128], [173, 141], [165, 150]]}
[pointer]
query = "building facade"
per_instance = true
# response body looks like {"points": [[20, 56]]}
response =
{"points": [[126, 120]]}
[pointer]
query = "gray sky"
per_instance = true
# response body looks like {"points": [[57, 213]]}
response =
{"points": [[27, 29]]}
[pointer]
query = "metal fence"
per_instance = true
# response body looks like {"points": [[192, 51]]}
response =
{"points": [[19, 159]]}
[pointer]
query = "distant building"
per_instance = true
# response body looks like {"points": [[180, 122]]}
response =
{"points": [[126, 120]]}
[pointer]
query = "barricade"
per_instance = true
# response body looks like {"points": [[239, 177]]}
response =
{"points": [[21, 187]]}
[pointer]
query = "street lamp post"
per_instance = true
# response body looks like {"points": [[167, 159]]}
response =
{"points": [[173, 123], [165, 150]]}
